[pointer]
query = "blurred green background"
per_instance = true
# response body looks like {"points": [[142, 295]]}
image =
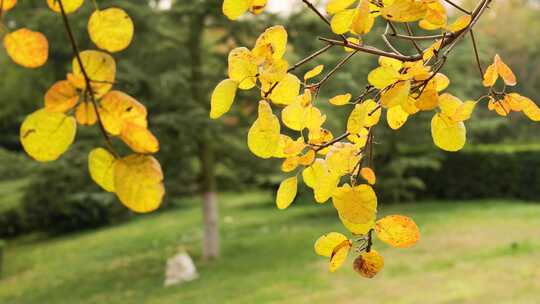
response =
{"points": [[66, 241]]}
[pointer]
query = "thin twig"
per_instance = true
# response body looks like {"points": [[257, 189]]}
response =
{"points": [[371, 50], [310, 57], [458, 7], [410, 32], [475, 47]]}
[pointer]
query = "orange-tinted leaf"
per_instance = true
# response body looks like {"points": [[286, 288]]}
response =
{"points": [[397, 230], [61, 97], [27, 48]]}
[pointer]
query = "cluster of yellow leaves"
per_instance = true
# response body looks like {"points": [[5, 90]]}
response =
{"points": [[358, 16], [324, 162], [86, 97], [395, 230], [505, 103]]}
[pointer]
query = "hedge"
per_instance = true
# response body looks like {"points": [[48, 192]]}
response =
{"points": [[484, 173]]}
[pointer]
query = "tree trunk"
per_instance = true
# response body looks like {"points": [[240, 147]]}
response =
{"points": [[206, 151], [210, 204]]}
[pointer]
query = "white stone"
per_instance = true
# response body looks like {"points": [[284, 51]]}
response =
{"points": [[180, 268]]}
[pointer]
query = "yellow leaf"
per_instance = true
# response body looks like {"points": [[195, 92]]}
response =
{"points": [[235, 8], [342, 21], [397, 231], [223, 98], [490, 76], [314, 72], [442, 82], [264, 136], [368, 264], [69, 5], [464, 111], [342, 158], [138, 182], [529, 107], [396, 117], [505, 72], [286, 90], [449, 104], [313, 173], [363, 20], [61, 97], [27, 48], [274, 38], [117, 109], [383, 77], [336, 6], [325, 245], [369, 175], [358, 229], [290, 164], [307, 159], [139, 139], [241, 68], [86, 114], [396, 95], [448, 135], [325, 186], [111, 29], [364, 115], [101, 165], [357, 205], [341, 100], [339, 255], [100, 68], [8, 4], [392, 63], [460, 24], [45, 136], [404, 11], [286, 192]]}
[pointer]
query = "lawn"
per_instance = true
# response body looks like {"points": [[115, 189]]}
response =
{"points": [[470, 252]]}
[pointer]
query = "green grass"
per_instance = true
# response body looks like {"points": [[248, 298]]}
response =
{"points": [[470, 252]]}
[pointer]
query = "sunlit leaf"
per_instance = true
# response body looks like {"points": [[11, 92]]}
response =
{"points": [[100, 68], [27, 48], [101, 167], [448, 135], [357, 204], [223, 98], [286, 192], [69, 5], [368, 264], [45, 135], [397, 230], [61, 97], [111, 29], [138, 182], [85, 114]]}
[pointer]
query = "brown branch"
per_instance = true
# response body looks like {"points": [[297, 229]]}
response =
{"points": [[87, 80], [458, 7], [323, 18], [335, 140], [340, 64], [371, 50], [475, 47], [310, 57], [410, 32]]}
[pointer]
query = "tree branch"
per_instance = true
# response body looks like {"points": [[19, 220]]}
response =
{"points": [[87, 80]]}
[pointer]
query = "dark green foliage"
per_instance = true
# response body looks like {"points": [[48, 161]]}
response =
{"points": [[67, 202], [484, 174]]}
